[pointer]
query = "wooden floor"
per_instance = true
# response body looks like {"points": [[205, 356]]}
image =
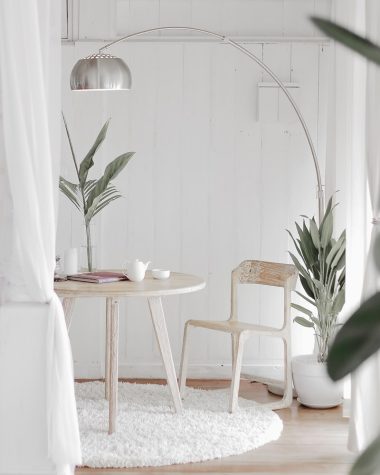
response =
{"points": [[313, 442]]}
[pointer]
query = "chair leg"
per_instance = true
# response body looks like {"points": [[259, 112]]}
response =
{"points": [[184, 360], [236, 370], [234, 339]]}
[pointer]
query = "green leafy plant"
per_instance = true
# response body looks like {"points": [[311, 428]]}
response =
{"points": [[359, 337], [92, 196], [322, 275]]}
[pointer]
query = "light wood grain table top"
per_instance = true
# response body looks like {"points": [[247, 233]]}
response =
{"points": [[176, 284]]}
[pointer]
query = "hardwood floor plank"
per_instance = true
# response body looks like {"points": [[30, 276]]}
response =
{"points": [[313, 442]]}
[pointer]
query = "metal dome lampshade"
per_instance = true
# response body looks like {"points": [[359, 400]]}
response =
{"points": [[100, 72]]}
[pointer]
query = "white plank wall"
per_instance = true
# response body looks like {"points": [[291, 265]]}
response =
{"points": [[210, 185], [101, 19], [221, 169]]}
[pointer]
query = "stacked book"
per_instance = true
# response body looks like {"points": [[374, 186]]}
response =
{"points": [[98, 277]]}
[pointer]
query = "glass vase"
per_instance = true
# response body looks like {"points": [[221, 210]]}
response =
{"points": [[87, 251]]}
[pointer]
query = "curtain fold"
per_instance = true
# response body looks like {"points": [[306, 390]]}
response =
{"points": [[365, 420], [354, 167], [30, 119]]}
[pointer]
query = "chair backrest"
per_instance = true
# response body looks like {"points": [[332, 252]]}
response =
{"points": [[263, 273]]}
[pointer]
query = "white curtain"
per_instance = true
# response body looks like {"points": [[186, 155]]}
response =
{"points": [[365, 420], [352, 155], [29, 163]]}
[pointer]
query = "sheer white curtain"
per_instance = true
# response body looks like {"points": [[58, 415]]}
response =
{"points": [[353, 154], [30, 151], [365, 421]]}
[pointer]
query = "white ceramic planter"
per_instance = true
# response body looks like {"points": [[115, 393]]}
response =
{"points": [[313, 385]]}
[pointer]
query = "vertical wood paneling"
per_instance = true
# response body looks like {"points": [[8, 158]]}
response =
{"points": [[99, 19], [210, 185], [297, 17], [222, 192], [175, 12], [253, 18], [135, 16], [96, 18], [167, 172], [195, 156], [248, 183], [137, 341]]}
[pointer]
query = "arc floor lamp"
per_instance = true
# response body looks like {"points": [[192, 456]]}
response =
{"points": [[102, 71]]}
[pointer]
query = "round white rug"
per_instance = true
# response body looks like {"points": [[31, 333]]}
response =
{"points": [[149, 433]]}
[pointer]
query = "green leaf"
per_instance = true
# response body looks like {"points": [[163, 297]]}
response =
{"points": [[299, 230], [341, 253], [336, 247], [300, 268], [104, 203], [318, 284], [312, 302], [307, 247], [369, 461], [307, 286], [327, 212], [338, 302], [101, 201], [71, 145], [296, 245], [342, 278], [88, 186], [88, 161], [315, 233], [69, 190], [316, 322], [91, 210], [302, 309], [68, 184], [111, 172], [358, 339], [353, 41], [302, 321], [327, 230]]}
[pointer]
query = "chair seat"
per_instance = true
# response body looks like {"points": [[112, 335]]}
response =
{"points": [[234, 326]]}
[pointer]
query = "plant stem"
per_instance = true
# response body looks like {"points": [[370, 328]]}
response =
{"points": [[89, 248]]}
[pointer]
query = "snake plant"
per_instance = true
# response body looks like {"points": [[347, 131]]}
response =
{"points": [[92, 196], [321, 267]]}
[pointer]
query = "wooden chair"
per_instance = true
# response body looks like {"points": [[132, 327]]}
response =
{"points": [[251, 272]]}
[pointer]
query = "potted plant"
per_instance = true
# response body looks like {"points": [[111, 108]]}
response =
{"points": [[321, 266], [92, 196]]}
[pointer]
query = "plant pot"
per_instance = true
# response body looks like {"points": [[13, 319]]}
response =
{"points": [[314, 387]]}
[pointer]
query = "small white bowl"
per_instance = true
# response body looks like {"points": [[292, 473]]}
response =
{"points": [[160, 274]]}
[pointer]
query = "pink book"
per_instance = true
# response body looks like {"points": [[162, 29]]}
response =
{"points": [[98, 277]]}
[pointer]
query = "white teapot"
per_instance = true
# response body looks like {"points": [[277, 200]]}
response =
{"points": [[135, 270]]}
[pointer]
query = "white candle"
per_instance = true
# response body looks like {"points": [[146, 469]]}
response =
{"points": [[70, 261]]}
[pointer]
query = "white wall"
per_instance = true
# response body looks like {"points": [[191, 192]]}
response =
{"points": [[221, 169]]}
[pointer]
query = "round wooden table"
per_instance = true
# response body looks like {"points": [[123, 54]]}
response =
{"points": [[153, 290]]}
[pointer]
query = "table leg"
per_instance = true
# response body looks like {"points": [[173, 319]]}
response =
{"points": [[68, 307], [158, 319], [108, 348], [114, 340]]}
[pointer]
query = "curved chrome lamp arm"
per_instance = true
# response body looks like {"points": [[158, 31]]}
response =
{"points": [[266, 69]]}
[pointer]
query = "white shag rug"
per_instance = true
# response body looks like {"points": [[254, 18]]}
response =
{"points": [[149, 433]]}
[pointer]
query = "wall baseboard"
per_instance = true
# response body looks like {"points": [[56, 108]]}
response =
{"points": [[211, 371]]}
